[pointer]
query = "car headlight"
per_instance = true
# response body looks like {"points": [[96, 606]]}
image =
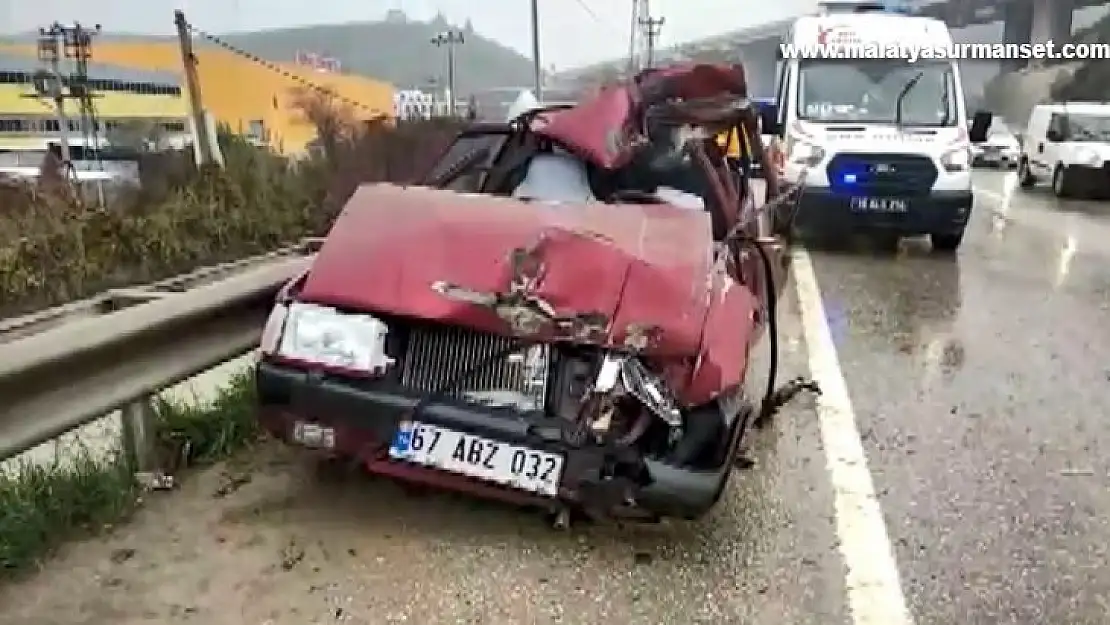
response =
{"points": [[1087, 156], [325, 336], [956, 160], [803, 153]]}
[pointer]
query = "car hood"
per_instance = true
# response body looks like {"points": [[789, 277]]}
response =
{"points": [[1006, 142], [628, 276], [1102, 149]]}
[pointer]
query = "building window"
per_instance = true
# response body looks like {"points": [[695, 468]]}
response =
{"points": [[102, 84], [15, 78], [12, 125]]}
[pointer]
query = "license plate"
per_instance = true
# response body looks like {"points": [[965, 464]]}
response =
{"points": [[879, 205], [314, 435], [474, 456]]}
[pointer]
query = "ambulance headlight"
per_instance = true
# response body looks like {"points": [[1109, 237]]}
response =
{"points": [[808, 154]]}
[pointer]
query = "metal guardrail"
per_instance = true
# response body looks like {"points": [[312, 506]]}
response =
{"points": [[63, 377], [114, 300]]}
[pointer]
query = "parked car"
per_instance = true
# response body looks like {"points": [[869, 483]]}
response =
{"points": [[1067, 144], [1001, 148]]}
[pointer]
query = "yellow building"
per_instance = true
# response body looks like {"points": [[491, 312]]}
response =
{"points": [[122, 97], [257, 98]]}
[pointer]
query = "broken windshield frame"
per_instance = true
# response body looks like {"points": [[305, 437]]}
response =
{"points": [[461, 166]]}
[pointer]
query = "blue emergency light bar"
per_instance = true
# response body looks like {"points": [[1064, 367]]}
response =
{"points": [[866, 6]]}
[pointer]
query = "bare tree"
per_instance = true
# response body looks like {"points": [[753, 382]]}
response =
{"points": [[333, 120]]}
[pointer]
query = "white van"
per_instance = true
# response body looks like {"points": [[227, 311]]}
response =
{"points": [[881, 143], [1067, 144]]}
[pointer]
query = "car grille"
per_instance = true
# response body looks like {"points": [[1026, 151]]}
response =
{"points": [[882, 174], [439, 357]]}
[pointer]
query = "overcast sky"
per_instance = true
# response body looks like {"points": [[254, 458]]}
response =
{"points": [[570, 34]]}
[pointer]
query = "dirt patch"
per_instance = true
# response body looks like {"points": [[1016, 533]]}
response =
{"points": [[277, 539]]}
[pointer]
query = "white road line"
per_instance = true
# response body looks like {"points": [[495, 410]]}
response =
{"points": [[873, 585], [994, 196]]}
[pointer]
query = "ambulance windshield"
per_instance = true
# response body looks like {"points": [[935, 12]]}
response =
{"points": [[867, 91]]}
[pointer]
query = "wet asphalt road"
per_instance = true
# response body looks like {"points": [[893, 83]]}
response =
{"points": [[981, 388], [978, 384]]}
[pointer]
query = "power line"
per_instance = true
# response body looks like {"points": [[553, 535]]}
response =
{"points": [[274, 67], [597, 18], [589, 11]]}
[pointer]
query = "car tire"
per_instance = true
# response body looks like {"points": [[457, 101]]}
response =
{"points": [[947, 242], [1025, 177], [1061, 182]]}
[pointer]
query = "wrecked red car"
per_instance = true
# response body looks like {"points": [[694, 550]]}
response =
{"points": [[552, 318]]}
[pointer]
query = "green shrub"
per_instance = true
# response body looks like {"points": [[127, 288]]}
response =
{"points": [[42, 506], [55, 247]]}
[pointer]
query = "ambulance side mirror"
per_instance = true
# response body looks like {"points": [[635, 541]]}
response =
{"points": [[980, 126], [769, 120]]}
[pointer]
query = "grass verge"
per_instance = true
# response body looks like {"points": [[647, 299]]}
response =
{"points": [[42, 506]]}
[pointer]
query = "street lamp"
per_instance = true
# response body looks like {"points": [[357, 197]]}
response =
{"points": [[449, 39], [537, 65]]}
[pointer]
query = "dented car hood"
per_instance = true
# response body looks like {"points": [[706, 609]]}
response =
{"points": [[625, 276]]}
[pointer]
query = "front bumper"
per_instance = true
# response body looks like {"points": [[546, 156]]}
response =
{"points": [[995, 159], [824, 211], [365, 415], [1092, 181]]}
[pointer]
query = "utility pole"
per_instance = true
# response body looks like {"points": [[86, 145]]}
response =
{"points": [[73, 43], [633, 38], [450, 39], [77, 42], [651, 27], [49, 84], [78, 46], [537, 67], [202, 141]]}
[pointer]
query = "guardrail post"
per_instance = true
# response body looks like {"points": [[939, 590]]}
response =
{"points": [[138, 431]]}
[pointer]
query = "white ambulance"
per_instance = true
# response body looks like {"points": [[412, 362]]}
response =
{"points": [[880, 141]]}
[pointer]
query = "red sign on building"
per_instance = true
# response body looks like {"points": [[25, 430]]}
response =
{"points": [[318, 62]]}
